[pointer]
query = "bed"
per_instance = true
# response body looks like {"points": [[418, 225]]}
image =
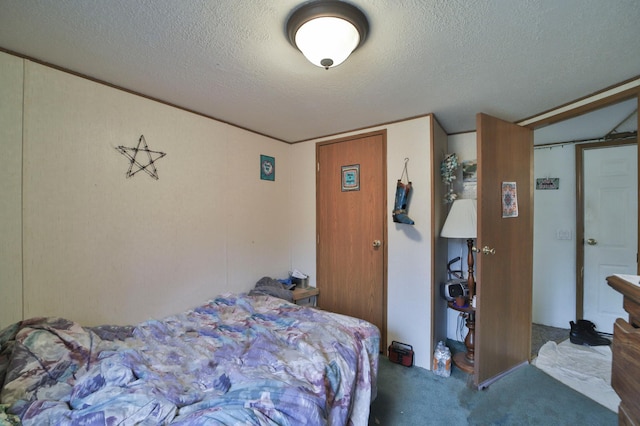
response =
{"points": [[237, 359]]}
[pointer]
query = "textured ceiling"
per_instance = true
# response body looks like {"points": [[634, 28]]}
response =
{"points": [[230, 59]]}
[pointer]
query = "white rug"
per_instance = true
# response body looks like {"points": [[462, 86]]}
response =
{"points": [[587, 369]]}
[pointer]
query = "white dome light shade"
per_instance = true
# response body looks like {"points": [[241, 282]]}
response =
{"points": [[327, 31], [327, 41]]}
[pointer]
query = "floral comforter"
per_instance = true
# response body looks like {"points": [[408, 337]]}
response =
{"points": [[238, 359]]}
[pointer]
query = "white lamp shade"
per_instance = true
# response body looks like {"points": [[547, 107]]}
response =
{"points": [[327, 38], [462, 220]]}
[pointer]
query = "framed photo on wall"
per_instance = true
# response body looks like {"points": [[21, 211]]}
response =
{"points": [[267, 167], [470, 179], [351, 178], [509, 200], [548, 183]]}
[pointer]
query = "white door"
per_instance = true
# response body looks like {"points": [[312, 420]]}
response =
{"points": [[610, 229]]}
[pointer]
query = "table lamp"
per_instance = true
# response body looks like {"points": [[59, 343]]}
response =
{"points": [[462, 223]]}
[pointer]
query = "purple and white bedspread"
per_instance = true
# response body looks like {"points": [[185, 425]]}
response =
{"points": [[237, 360]]}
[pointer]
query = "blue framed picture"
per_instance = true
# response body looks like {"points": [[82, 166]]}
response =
{"points": [[351, 178], [267, 167]]}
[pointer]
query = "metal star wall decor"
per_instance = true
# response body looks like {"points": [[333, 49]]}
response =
{"points": [[147, 163]]}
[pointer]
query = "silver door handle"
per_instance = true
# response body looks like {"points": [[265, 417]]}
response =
{"points": [[487, 250], [377, 243], [592, 242]]}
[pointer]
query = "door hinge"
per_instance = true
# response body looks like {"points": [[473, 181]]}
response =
{"points": [[318, 239], [318, 167]]}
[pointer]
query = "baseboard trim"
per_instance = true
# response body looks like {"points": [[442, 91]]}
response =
{"points": [[490, 381]]}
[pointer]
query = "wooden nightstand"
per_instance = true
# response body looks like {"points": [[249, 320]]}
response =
{"points": [[306, 296]]}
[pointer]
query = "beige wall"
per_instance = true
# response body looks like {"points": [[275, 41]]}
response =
{"points": [[103, 248], [409, 247], [11, 70]]}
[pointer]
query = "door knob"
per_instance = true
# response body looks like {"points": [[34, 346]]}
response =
{"points": [[377, 243], [592, 242], [487, 250]]}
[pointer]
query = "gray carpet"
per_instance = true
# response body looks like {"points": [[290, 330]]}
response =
{"points": [[541, 334], [526, 396]]}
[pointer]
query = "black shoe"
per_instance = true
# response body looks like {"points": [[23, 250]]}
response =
{"points": [[584, 333], [591, 327]]}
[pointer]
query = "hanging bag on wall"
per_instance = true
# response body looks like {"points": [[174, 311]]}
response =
{"points": [[403, 196]]}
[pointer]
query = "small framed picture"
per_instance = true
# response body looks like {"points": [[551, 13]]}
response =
{"points": [[548, 183], [267, 167], [509, 200], [351, 178]]}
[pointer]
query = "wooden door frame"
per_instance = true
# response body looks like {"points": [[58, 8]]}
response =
{"points": [[580, 148], [439, 245], [383, 134]]}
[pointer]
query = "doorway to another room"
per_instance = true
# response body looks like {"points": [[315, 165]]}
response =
{"points": [[607, 227], [560, 242], [586, 229]]}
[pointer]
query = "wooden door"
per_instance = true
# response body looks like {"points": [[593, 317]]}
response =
{"points": [[504, 279], [351, 218], [609, 217]]}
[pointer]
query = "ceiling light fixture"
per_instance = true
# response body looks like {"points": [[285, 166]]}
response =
{"points": [[327, 31]]}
